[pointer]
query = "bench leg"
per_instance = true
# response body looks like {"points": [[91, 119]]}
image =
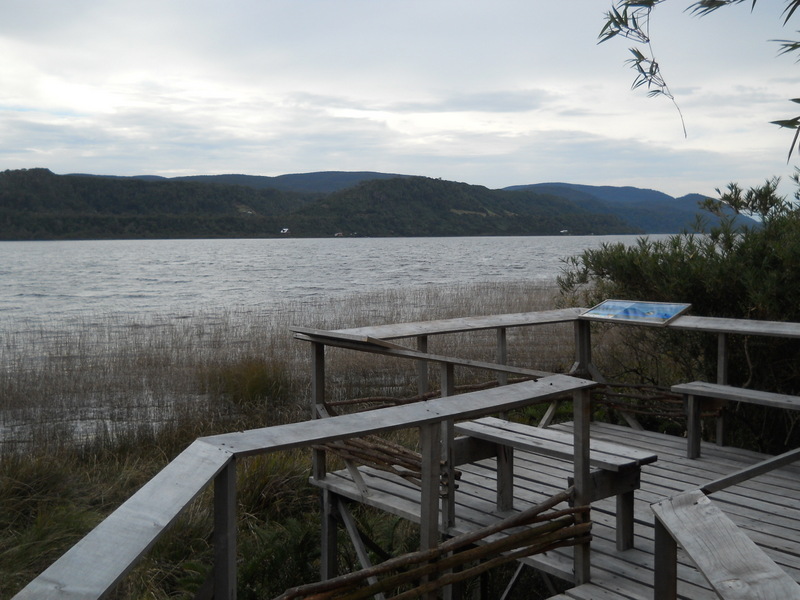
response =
{"points": [[505, 478], [625, 521], [693, 426]]}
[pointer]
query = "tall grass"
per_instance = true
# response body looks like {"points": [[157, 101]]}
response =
{"points": [[89, 413]]}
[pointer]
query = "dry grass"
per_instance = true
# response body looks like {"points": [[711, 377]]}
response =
{"points": [[60, 386], [89, 414]]}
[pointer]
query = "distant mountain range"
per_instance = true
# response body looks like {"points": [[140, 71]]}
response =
{"points": [[37, 204]]}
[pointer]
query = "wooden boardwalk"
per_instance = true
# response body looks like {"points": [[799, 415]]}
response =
{"points": [[767, 508]]}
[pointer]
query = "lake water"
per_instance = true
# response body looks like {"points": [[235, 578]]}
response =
{"points": [[75, 281]]}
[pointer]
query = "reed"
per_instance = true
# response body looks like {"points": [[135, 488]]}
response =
{"points": [[89, 413]]}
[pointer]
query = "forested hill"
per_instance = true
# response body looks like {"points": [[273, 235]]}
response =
{"points": [[36, 204], [648, 210]]}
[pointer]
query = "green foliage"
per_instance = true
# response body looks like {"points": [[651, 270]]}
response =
{"points": [[36, 204], [731, 272], [420, 206]]}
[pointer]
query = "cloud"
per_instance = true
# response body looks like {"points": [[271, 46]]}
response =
{"points": [[497, 94]]}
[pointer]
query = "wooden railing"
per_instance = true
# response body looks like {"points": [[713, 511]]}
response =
{"points": [[92, 567], [96, 564]]}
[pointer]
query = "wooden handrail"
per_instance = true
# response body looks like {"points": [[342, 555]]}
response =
{"points": [[92, 567]]}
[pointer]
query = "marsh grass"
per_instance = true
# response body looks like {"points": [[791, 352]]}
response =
{"points": [[90, 413]]}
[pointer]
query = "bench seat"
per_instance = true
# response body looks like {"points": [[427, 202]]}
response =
{"points": [[617, 468], [551, 442]]}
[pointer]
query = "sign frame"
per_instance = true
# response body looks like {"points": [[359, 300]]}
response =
{"points": [[636, 312]]}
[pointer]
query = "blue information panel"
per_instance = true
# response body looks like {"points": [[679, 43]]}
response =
{"points": [[649, 313]]}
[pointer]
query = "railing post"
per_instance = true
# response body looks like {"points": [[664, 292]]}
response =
{"points": [[429, 501], [583, 349], [422, 366], [318, 402], [317, 380], [429, 507], [502, 354], [722, 379], [582, 412], [665, 565], [447, 472], [225, 533]]}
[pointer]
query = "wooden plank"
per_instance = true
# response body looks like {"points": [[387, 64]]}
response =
{"points": [[343, 336], [749, 472], [737, 326], [735, 567], [727, 392], [628, 574], [553, 443], [96, 563], [462, 324], [225, 533], [469, 405], [403, 352], [607, 448]]}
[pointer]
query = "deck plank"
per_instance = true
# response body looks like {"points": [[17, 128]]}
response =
{"points": [[767, 509]]}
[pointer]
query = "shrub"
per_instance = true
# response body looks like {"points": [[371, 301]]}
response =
{"points": [[733, 272]]}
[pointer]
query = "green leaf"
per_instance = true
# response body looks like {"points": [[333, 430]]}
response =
{"points": [[788, 123]]}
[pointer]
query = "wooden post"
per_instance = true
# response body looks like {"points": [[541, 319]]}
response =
{"points": [[225, 533], [665, 564], [722, 378], [502, 354], [317, 380], [582, 412], [447, 471], [330, 538], [505, 477], [318, 411], [625, 521], [583, 349], [693, 428], [429, 502], [422, 366], [429, 507]]}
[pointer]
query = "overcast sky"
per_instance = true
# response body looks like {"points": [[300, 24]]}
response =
{"points": [[487, 92]]}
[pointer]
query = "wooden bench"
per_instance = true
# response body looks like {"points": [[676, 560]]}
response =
{"points": [[696, 391], [617, 468], [735, 567]]}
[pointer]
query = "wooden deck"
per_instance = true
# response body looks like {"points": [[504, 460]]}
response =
{"points": [[767, 508]]}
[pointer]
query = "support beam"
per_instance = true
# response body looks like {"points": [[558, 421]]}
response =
{"points": [[693, 426], [318, 411], [722, 379], [422, 366], [582, 412], [502, 354], [355, 537], [330, 539], [447, 470], [225, 533], [429, 501], [665, 564]]}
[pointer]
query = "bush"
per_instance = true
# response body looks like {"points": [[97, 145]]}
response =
{"points": [[748, 273]]}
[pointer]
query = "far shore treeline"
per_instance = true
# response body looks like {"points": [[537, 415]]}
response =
{"points": [[36, 204]]}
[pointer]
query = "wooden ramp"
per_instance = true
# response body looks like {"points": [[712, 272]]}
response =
{"points": [[767, 508]]}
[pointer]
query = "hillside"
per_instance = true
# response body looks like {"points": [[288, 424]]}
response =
{"points": [[648, 210], [418, 206], [37, 204]]}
